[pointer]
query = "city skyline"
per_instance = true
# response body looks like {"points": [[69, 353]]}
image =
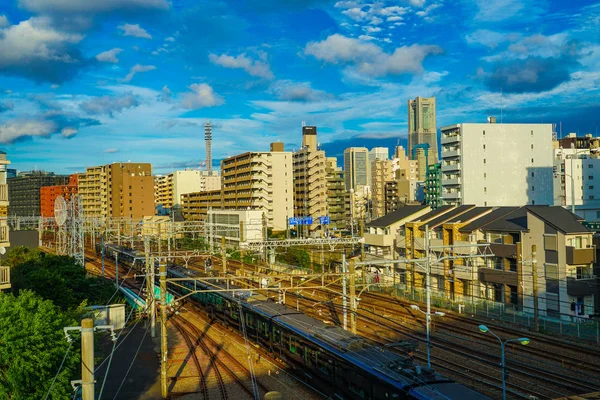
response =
{"points": [[90, 84]]}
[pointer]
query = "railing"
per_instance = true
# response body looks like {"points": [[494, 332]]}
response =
{"points": [[4, 277]]}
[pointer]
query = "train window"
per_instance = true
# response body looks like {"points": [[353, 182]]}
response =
{"points": [[358, 385], [293, 345], [325, 366], [276, 335]]}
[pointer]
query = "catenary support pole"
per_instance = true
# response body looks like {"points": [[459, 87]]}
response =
{"points": [[344, 298], [353, 303], [163, 325], [87, 359], [428, 283], [536, 317], [223, 255]]}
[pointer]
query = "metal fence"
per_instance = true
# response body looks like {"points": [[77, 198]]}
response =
{"points": [[578, 327]]}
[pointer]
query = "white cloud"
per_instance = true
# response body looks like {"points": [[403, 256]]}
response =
{"points": [[369, 58], [165, 93], [34, 39], [367, 38], [489, 38], [500, 10], [298, 91], [111, 150], [4, 21], [109, 105], [170, 39], [200, 96], [372, 29], [137, 68], [257, 68], [109, 56], [356, 13], [134, 30], [68, 132], [101, 6], [394, 18], [434, 76], [21, 128]]}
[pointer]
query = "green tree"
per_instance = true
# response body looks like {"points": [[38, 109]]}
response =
{"points": [[32, 346], [59, 279]]}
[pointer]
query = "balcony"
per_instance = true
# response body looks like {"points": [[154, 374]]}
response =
{"points": [[580, 256], [450, 167], [451, 153], [504, 250], [583, 287], [498, 276], [4, 278], [379, 240], [451, 182], [451, 195], [450, 139]]}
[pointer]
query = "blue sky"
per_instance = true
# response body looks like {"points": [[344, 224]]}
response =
{"points": [[89, 82]]}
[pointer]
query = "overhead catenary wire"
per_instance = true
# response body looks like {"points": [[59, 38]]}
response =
{"points": [[59, 369]]}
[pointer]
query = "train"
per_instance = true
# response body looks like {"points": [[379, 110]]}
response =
{"points": [[339, 364]]}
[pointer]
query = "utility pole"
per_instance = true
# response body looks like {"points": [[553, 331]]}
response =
{"points": [[536, 322], [353, 304], [117, 268], [428, 283], [344, 298], [102, 254], [163, 325], [87, 358], [119, 233], [362, 234], [223, 255], [150, 285]]}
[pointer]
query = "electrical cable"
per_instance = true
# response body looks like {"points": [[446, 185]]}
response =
{"points": [[132, 361]]}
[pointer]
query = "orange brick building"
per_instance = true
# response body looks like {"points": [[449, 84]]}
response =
{"points": [[49, 193]]}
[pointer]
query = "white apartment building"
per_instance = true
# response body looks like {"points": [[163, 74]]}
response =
{"points": [[356, 167], [576, 182], [169, 188], [497, 164]]}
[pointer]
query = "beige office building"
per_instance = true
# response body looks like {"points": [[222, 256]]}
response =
{"points": [[4, 239], [310, 178], [117, 190], [260, 181], [336, 194], [422, 126]]}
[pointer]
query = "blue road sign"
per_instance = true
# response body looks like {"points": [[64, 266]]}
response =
{"points": [[293, 221], [324, 220], [307, 221]]}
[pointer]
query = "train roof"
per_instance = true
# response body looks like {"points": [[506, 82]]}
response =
{"points": [[380, 361]]}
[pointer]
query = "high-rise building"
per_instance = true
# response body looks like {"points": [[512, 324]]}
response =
{"points": [[261, 181], [422, 130], [208, 141], [378, 153], [356, 167], [118, 190], [497, 164], [4, 204], [24, 191], [433, 186], [48, 195], [336, 194], [310, 178], [381, 172]]}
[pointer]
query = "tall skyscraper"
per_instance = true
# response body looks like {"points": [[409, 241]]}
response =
{"points": [[422, 127], [208, 139], [356, 167]]}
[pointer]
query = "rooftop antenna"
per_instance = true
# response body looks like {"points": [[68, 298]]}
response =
{"points": [[208, 140]]}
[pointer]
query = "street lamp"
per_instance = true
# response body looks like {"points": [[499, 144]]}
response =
{"points": [[427, 324], [523, 341]]}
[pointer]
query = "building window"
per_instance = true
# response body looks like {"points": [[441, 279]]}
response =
{"points": [[531, 133], [485, 204], [532, 160], [532, 146], [550, 242], [485, 189], [591, 177], [551, 271], [590, 165], [484, 160], [591, 198], [483, 133], [533, 202], [533, 188], [484, 146], [591, 188]]}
